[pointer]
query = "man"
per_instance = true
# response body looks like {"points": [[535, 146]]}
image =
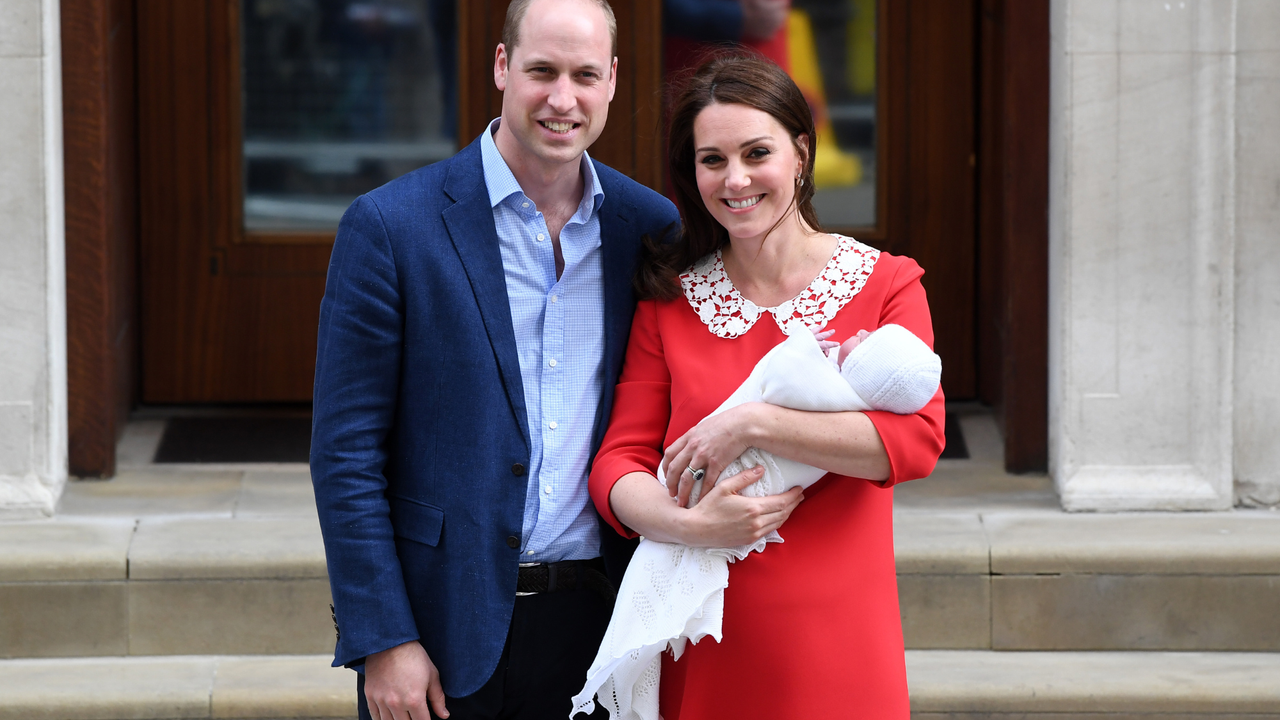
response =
{"points": [[472, 330]]}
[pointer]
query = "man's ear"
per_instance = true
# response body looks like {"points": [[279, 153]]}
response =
{"points": [[500, 67], [613, 78]]}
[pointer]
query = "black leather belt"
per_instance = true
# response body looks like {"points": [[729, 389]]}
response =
{"points": [[535, 578]]}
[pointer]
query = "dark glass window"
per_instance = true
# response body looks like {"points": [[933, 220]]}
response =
{"points": [[341, 96]]}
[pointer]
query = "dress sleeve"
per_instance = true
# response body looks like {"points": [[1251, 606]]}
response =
{"points": [[913, 442], [641, 412]]}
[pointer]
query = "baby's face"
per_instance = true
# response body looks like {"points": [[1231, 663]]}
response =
{"points": [[848, 345]]}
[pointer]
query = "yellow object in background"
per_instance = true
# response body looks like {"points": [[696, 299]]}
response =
{"points": [[861, 56], [832, 166]]}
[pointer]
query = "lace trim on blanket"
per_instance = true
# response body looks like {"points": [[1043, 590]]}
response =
{"points": [[728, 314]]}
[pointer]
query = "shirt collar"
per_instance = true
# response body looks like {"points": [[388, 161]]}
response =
{"points": [[502, 184]]}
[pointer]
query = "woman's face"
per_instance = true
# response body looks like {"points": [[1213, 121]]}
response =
{"points": [[746, 166]]}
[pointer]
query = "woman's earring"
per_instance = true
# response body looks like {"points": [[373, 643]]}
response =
{"points": [[799, 181]]}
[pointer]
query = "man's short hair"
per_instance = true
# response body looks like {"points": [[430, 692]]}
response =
{"points": [[515, 16]]}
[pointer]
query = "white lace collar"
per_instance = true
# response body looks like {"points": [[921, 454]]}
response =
{"points": [[727, 314]]}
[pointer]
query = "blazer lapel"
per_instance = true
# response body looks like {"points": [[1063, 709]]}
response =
{"points": [[618, 263], [470, 224]]}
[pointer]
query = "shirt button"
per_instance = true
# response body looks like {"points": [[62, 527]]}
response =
{"points": [[547, 489], [513, 542], [552, 362], [541, 237], [554, 299], [528, 552], [524, 205], [517, 469], [552, 425]]}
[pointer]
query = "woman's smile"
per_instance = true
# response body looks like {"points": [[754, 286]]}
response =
{"points": [[743, 203]]}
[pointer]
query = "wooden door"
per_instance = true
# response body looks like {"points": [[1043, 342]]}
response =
{"points": [[229, 314], [929, 130]]}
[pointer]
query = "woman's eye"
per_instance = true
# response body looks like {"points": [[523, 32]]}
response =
{"points": [[757, 153], [711, 159]]}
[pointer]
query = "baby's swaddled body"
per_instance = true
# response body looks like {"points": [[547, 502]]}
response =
{"points": [[673, 593]]}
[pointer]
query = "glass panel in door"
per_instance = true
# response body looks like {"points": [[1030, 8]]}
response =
{"points": [[339, 97]]}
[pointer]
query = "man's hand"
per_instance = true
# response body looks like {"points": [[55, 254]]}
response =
{"points": [[762, 18], [400, 681]]}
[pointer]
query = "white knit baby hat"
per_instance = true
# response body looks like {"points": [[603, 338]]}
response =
{"points": [[893, 370]]}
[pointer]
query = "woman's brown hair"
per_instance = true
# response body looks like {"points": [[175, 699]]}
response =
{"points": [[727, 78]]}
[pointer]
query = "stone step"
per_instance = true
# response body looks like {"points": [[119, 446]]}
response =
{"points": [[250, 578], [171, 687], [1048, 580], [996, 685], [955, 685]]}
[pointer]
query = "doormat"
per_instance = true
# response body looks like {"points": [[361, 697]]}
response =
{"points": [[259, 439], [235, 440], [955, 449]]}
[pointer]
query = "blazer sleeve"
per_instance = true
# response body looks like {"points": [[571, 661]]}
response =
{"points": [[641, 412], [356, 388], [913, 442]]}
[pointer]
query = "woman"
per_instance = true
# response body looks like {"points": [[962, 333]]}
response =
{"points": [[811, 627]]}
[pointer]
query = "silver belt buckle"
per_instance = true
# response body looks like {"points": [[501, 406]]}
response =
{"points": [[525, 565]]}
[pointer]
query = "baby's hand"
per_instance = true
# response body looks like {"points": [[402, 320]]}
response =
{"points": [[823, 342], [848, 345]]}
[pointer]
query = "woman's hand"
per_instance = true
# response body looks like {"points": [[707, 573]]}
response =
{"points": [[710, 446], [724, 518]]}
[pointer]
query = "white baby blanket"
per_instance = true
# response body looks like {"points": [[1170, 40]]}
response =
{"points": [[673, 593]]}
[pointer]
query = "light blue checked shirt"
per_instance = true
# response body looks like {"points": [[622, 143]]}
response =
{"points": [[559, 326]]}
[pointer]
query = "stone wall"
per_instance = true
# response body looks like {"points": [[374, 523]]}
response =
{"points": [[33, 403], [1257, 361], [1164, 261]]}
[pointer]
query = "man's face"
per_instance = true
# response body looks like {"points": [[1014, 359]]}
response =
{"points": [[557, 82]]}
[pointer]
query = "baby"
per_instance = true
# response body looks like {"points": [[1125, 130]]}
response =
{"points": [[890, 369], [673, 593]]}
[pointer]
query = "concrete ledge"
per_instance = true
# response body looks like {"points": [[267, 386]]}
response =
{"points": [[184, 617], [963, 683], [64, 619], [945, 611], [221, 549], [175, 687], [1024, 579], [105, 688], [944, 684], [940, 544], [150, 492], [1135, 612], [1231, 543], [54, 551]]}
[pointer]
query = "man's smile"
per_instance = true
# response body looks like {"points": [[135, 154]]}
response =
{"points": [[559, 127]]}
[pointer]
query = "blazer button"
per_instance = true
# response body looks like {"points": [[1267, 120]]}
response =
{"points": [[513, 542], [517, 469]]}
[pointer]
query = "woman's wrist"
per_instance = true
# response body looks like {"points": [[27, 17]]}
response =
{"points": [[755, 422]]}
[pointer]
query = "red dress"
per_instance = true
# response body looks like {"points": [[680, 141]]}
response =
{"points": [[811, 625]]}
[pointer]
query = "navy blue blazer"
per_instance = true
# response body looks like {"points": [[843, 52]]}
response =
{"points": [[420, 437]]}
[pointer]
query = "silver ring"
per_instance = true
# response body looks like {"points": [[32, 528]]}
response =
{"points": [[697, 474]]}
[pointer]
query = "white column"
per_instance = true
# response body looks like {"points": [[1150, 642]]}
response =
{"points": [[1257, 360], [1142, 242], [33, 382]]}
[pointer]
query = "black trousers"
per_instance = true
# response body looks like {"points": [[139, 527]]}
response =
{"points": [[552, 640]]}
